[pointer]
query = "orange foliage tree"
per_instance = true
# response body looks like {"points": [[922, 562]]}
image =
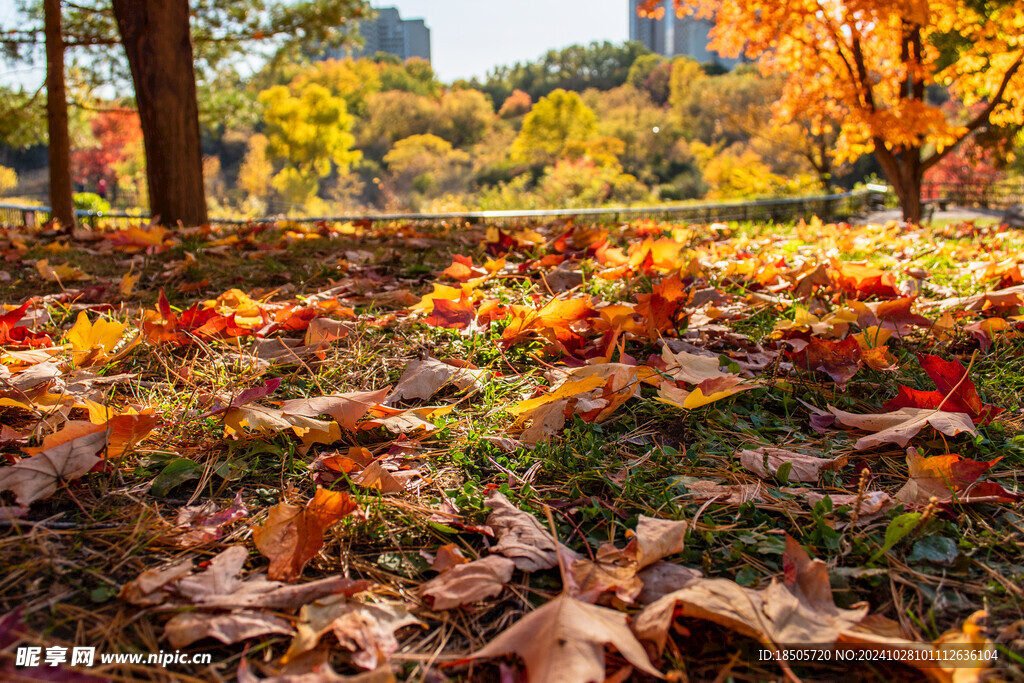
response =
{"points": [[870, 65]]}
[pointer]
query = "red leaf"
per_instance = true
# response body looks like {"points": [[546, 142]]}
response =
{"points": [[962, 396]]}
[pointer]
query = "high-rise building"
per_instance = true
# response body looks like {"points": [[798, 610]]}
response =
{"points": [[392, 34], [675, 36]]}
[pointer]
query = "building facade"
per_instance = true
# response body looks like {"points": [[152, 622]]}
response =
{"points": [[392, 34], [674, 36]]}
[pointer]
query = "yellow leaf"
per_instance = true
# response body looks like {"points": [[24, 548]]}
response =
{"points": [[93, 343], [128, 283], [567, 390]]}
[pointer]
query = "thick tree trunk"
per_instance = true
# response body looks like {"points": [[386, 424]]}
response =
{"points": [[61, 203], [905, 171], [156, 40]]}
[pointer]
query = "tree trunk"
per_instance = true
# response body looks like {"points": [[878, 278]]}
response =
{"points": [[62, 206], [905, 171], [157, 43]]}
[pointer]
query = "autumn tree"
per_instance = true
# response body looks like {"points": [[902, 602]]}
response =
{"points": [[256, 172], [555, 122], [870, 65], [168, 43], [310, 133]]}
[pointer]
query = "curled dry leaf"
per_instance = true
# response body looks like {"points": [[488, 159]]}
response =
{"points": [[565, 640], [203, 523], [899, 426], [424, 378], [292, 535], [765, 462], [521, 537], [219, 586], [462, 584], [366, 629], [40, 475], [188, 627]]}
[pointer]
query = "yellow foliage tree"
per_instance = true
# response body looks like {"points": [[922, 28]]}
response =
{"points": [[310, 133], [869, 63], [557, 121]]}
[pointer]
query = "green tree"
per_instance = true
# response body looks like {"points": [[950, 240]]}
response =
{"points": [[310, 134], [555, 123]]}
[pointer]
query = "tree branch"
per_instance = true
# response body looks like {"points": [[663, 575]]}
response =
{"points": [[982, 117]]}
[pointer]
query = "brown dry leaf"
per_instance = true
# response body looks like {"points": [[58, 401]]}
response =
{"points": [[424, 378], [564, 641], [800, 611], [611, 571], [690, 367], [708, 391], [292, 535], [40, 476], [325, 330], [521, 537], [366, 629], [188, 627], [347, 409], [218, 586], [765, 462], [374, 476], [733, 494], [202, 523], [447, 557], [473, 581], [399, 421], [899, 426], [662, 578], [656, 538]]}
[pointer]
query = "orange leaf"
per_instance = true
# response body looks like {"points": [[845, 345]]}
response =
{"points": [[292, 535]]}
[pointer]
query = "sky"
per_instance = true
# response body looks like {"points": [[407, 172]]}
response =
{"points": [[470, 37]]}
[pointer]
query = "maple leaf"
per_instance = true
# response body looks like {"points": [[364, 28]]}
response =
{"points": [[708, 391], [61, 273], [451, 314], [94, 343], [347, 408], [40, 476], [955, 392], [950, 478], [186, 628], [765, 462], [11, 333], [662, 308], [901, 425], [468, 582], [367, 629], [424, 378], [521, 538], [859, 280], [838, 360], [564, 640], [292, 535], [203, 523]]}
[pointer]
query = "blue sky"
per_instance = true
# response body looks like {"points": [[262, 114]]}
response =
{"points": [[470, 37]]}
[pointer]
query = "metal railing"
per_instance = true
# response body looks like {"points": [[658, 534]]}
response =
{"points": [[786, 208]]}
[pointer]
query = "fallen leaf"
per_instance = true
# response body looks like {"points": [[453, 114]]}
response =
{"points": [[292, 535], [950, 478], [565, 641], [188, 627], [366, 629], [347, 409], [203, 523], [708, 391], [462, 584], [955, 394], [901, 425], [765, 462], [839, 360], [42, 474], [424, 378], [521, 538]]}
